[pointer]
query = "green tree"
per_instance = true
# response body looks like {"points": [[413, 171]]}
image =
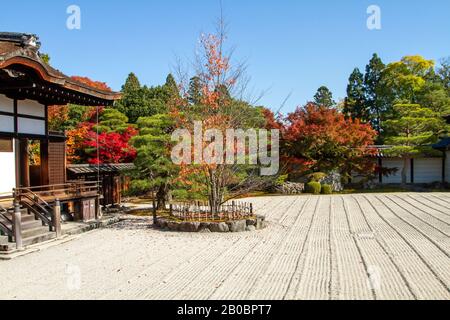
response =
{"points": [[355, 103], [132, 84], [373, 92], [435, 96], [412, 133], [324, 97], [444, 73], [112, 120], [404, 80], [171, 88], [195, 91], [154, 167], [143, 101]]}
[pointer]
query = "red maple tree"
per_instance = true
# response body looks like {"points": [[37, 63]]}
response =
{"points": [[319, 139]]}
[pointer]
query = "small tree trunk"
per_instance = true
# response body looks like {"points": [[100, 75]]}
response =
{"points": [[155, 218], [161, 196]]}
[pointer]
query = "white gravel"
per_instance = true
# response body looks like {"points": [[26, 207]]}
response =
{"points": [[377, 246]]}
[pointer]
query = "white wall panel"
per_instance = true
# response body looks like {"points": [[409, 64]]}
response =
{"points": [[427, 170], [8, 172], [31, 108], [6, 124], [397, 177], [31, 126], [6, 104], [447, 167]]}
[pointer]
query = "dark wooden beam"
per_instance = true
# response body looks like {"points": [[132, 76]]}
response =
{"points": [[24, 168], [45, 178]]}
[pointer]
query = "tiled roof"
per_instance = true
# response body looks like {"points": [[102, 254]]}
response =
{"points": [[21, 49], [444, 144], [103, 168]]}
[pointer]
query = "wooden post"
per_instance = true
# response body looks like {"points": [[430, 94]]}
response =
{"points": [[17, 225], [45, 177], [57, 218], [155, 217], [98, 208], [171, 209], [251, 209]]}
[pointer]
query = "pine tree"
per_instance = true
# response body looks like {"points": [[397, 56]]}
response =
{"points": [[112, 120], [154, 167], [412, 132], [324, 97], [355, 102]]}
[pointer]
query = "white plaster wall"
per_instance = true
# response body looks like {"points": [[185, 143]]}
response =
{"points": [[31, 126], [427, 170], [6, 104], [8, 172], [397, 177], [30, 107], [447, 167], [6, 124]]}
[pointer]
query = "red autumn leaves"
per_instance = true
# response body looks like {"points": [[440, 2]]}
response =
{"points": [[320, 139]]}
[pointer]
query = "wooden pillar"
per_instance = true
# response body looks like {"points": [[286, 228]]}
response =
{"points": [[24, 167], [444, 164], [98, 209], [17, 225], [412, 171], [45, 177], [380, 174], [57, 218]]}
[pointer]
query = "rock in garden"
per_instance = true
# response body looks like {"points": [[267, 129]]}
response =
{"points": [[173, 226], [250, 228], [237, 226], [219, 227], [290, 188], [189, 226]]}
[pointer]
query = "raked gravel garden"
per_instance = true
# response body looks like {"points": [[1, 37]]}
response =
{"points": [[367, 246]]}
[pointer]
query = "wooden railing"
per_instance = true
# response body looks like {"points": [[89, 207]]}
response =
{"points": [[6, 224], [45, 203], [50, 193]]}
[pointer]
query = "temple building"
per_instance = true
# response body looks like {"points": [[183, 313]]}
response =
{"points": [[28, 86]]}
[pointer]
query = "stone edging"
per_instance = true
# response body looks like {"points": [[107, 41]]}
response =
{"points": [[206, 227]]}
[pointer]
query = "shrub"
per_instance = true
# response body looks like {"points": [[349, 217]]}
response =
{"points": [[180, 194], [313, 187], [327, 189], [281, 180], [317, 176]]}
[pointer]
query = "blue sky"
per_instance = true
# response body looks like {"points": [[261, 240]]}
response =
{"points": [[291, 46]]}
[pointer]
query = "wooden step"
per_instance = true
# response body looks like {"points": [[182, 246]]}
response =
{"points": [[41, 236]]}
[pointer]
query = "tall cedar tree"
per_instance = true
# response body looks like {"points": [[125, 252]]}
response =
{"points": [[373, 92], [142, 101], [324, 97], [355, 104]]}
